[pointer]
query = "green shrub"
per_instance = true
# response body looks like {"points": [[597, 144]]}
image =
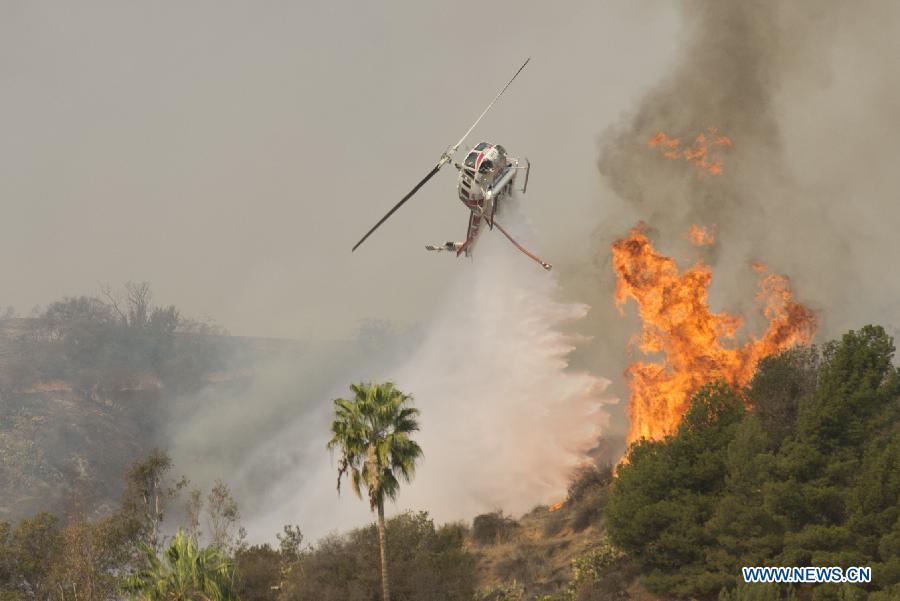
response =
{"points": [[511, 591], [425, 563], [492, 528], [588, 479], [597, 574], [589, 566]]}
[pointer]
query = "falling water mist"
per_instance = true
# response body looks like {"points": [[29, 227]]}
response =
{"points": [[504, 420]]}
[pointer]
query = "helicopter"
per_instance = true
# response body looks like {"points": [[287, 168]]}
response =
{"points": [[486, 177]]}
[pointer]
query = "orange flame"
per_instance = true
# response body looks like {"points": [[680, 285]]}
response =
{"points": [[699, 153], [700, 236], [555, 506], [678, 323]]}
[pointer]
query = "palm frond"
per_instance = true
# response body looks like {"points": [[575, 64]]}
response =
{"points": [[185, 572], [379, 417]]}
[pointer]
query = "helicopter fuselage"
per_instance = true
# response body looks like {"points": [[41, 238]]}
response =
{"points": [[481, 172], [486, 175]]}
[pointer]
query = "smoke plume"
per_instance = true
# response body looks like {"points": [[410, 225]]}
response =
{"points": [[808, 188]]}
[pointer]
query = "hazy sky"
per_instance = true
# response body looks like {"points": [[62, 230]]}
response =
{"points": [[232, 152]]}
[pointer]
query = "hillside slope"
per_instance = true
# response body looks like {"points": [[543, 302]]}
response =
{"points": [[561, 554], [70, 439]]}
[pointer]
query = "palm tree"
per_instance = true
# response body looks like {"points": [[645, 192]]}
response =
{"points": [[372, 431], [186, 573]]}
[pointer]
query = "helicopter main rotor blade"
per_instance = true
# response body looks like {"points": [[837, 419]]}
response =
{"points": [[399, 204], [500, 93], [445, 158]]}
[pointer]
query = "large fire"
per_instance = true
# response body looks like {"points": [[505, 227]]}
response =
{"points": [[698, 346]]}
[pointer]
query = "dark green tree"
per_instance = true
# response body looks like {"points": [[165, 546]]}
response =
{"points": [[777, 387], [745, 533], [810, 476], [666, 492]]}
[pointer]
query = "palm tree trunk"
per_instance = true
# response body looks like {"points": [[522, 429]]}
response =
{"points": [[385, 590]]}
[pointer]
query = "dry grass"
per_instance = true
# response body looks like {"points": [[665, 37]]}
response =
{"points": [[538, 552]]}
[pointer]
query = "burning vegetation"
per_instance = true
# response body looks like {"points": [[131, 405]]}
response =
{"points": [[697, 345]]}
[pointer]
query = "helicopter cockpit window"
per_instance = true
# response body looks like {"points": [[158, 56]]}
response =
{"points": [[481, 146], [470, 160], [486, 165]]}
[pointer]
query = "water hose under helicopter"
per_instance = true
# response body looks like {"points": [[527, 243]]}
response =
{"points": [[543, 264]]}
